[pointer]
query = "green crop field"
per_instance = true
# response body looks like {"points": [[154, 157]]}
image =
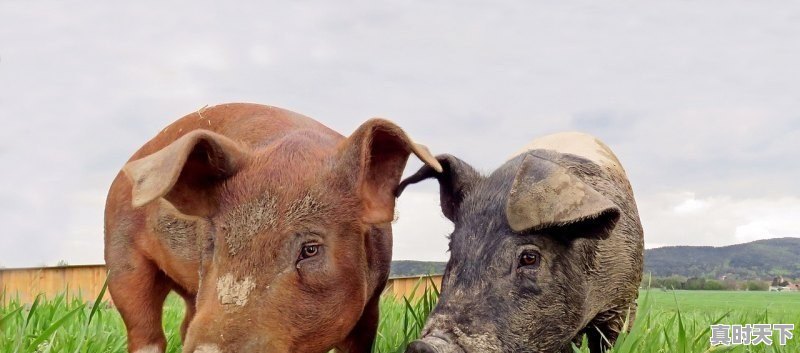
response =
{"points": [[667, 322]]}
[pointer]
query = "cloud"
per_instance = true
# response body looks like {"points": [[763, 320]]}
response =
{"points": [[690, 205], [692, 102], [681, 218], [421, 231]]}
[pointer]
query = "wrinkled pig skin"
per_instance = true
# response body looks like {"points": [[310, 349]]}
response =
{"points": [[546, 249]]}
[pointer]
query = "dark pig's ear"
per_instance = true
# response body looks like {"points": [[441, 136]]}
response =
{"points": [[455, 180], [545, 194], [186, 171], [373, 158]]}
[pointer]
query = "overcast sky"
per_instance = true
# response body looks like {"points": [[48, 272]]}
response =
{"points": [[699, 99]]}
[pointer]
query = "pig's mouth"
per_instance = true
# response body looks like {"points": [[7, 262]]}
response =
{"points": [[435, 343]]}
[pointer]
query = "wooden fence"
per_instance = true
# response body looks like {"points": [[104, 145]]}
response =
{"points": [[87, 281], [27, 283], [405, 286]]}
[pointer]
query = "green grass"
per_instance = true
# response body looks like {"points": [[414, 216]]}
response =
{"points": [[667, 322], [679, 321]]}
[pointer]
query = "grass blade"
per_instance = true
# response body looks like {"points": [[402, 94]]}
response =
{"points": [[8, 316], [96, 305], [51, 330]]}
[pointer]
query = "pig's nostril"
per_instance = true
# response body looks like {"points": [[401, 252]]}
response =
{"points": [[421, 347]]}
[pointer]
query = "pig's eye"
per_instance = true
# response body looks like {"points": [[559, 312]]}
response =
{"points": [[309, 250], [529, 259]]}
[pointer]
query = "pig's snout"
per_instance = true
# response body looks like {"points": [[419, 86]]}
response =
{"points": [[434, 343], [207, 348], [421, 347]]}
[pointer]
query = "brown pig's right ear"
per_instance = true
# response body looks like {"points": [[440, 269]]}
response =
{"points": [[373, 158], [455, 180], [186, 171]]}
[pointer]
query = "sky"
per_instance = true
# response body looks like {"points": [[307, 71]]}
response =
{"points": [[700, 100]]}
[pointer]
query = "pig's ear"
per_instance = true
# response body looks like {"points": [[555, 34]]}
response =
{"points": [[374, 157], [186, 172], [455, 180], [545, 194]]}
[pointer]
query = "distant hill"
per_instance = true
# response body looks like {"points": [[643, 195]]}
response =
{"points": [[762, 259], [404, 268]]}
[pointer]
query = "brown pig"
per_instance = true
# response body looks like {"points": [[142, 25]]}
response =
{"points": [[274, 229]]}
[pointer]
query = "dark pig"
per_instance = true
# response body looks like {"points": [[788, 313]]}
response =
{"points": [[545, 249]]}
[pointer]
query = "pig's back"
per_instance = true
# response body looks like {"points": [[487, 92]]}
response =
{"points": [[250, 124], [579, 144]]}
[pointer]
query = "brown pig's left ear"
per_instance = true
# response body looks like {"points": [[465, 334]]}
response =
{"points": [[545, 194], [186, 171], [377, 153]]}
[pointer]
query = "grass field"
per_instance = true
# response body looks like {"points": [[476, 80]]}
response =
{"points": [[667, 322]]}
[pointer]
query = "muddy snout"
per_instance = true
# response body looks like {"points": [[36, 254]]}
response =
{"points": [[434, 343], [207, 348]]}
